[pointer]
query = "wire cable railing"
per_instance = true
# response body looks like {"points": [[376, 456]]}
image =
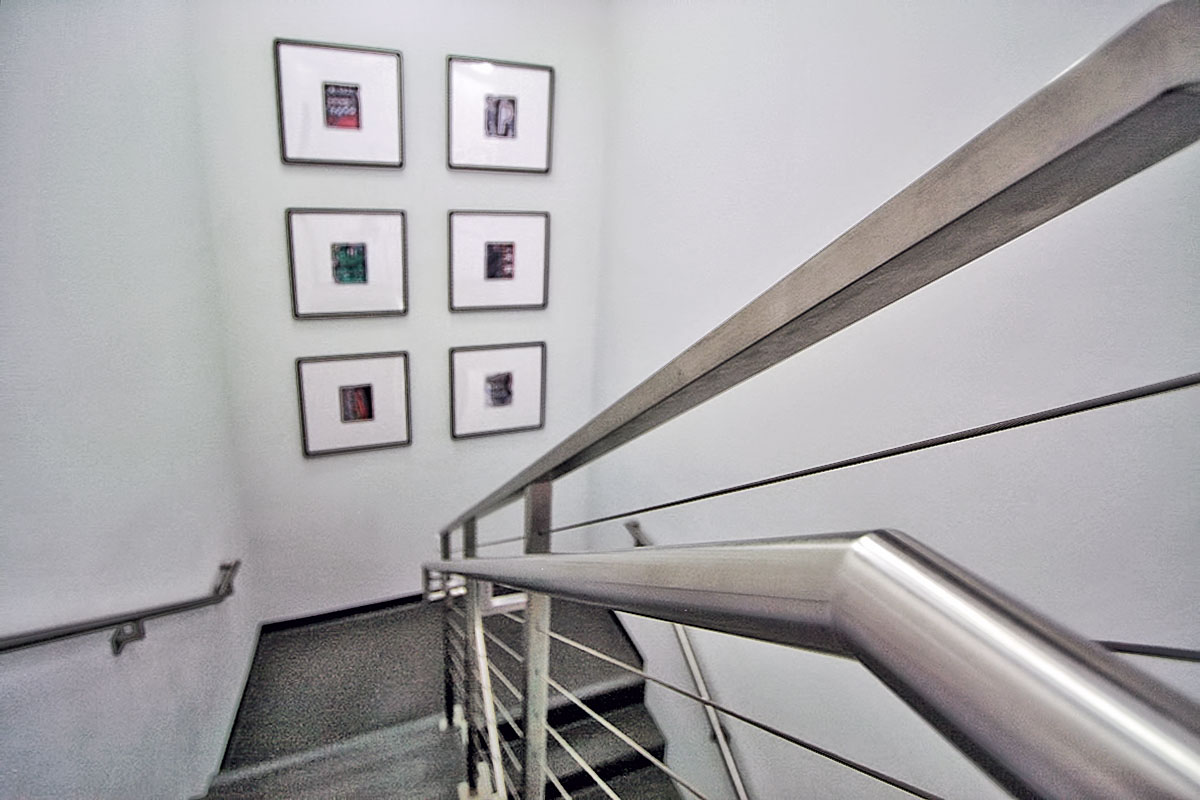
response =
{"points": [[1013, 423], [1040, 710], [837, 758]]}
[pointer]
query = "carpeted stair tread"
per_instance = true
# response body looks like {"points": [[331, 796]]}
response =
{"points": [[320, 683], [413, 760], [648, 783]]}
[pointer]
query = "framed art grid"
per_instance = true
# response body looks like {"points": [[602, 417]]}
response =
{"points": [[339, 104], [498, 388], [353, 402], [347, 262], [499, 115], [498, 260]]}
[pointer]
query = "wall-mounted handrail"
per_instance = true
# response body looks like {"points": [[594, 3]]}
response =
{"points": [[1128, 105], [129, 627], [1043, 711]]}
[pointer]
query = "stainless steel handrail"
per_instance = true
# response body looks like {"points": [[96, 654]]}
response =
{"points": [[1043, 711], [720, 738], [1128, 105], [130, 626]]}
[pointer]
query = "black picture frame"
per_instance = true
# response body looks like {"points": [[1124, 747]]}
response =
{"points": [[307, 425], [285, 154], [455, 397], [290, 216], [500, 164], [452, 277]]}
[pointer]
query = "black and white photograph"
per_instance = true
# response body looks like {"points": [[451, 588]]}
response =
{"points": [[347, 262], [353, 402], [499, 388], [339, 104], [499, 260], [499, 115]]}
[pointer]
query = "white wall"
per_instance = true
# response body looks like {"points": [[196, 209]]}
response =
{"points": [[347, 529], [151, 425], [701, 151], [117, 474], [742, 139]]}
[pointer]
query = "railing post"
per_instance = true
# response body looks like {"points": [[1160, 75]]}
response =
{"points": [[478, 593], [537, 645], [447, 672], [470, 681]]}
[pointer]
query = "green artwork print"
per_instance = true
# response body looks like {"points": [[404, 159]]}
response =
{"points": [[349, 262]]}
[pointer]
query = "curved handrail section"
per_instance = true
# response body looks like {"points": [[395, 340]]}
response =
{"points": [[1045, 712], [1131, 103]]}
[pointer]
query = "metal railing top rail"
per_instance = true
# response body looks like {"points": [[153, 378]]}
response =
{"points": [[129, 626], [1044, 712], [1128, 105]]}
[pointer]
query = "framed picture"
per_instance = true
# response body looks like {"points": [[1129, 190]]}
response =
{"points": [[497, 389], [347, 262], [354, 402], [499, 115], [339, 104], [499, 259]]}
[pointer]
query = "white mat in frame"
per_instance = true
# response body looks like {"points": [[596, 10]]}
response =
{"points": [[497, 389], [499, 259], [354, 402]]}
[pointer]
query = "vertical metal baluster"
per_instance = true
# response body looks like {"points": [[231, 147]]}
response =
{"points": [[478, 593], [447, 675], [537, 645], [470, 680]]}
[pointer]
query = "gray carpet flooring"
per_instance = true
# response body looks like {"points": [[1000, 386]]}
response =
{"points": [[412, 761]]}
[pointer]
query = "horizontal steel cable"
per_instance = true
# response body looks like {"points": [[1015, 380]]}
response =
{"points": [[517, 728], [493, 543], [1058, 412], [626, 738], [574, 754], [883, 777], [496, 640], [1153, 650], [562, 792]]}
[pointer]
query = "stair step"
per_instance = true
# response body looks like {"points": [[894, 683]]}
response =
{"points": [[648, 783], [601, 685], [605, 753], [319, 681], [415, 759]]}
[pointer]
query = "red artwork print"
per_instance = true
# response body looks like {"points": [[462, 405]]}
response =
{"points": [[341, 105]]}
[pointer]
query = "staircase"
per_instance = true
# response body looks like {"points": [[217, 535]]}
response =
{"points": [[347, 705]]}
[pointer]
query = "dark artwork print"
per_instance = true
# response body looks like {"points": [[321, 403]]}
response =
{"points": [[349, 262], [499, 389], [357, 404], [341, 106], [500, 116], [500, 260]]}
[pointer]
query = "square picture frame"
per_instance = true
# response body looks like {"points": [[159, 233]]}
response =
{"points": [[354, 402], [499, 115], [498, 260], [347, 262], [339, 104], [497, 388]]}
